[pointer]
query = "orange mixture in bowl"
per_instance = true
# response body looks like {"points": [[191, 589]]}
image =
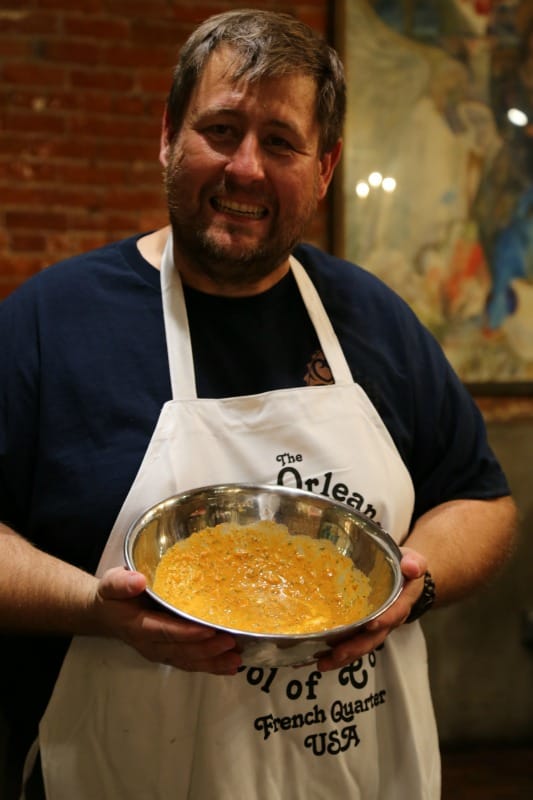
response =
{"points": [[262, 579]]}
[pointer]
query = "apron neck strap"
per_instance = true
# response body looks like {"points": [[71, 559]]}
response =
{"points": [[179, 347], [324, 329]]}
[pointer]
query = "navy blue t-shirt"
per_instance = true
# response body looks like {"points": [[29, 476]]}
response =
{"points": [[84, 374]]}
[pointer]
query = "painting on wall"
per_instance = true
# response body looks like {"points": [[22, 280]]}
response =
{"points": [[437, 176]]}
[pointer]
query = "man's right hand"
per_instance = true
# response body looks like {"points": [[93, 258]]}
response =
{"points": [[121, 610]]}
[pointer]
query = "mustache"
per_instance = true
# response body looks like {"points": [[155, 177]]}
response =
{"points": [[226, 187]]}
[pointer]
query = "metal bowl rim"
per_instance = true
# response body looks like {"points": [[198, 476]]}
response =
{"points": [[390, 548]]}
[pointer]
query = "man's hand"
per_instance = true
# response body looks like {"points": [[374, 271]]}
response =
{"points": [[413, 566], [121, 611]]}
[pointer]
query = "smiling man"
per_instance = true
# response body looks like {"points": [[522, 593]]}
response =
{"points": [[244, 173], [221, 349]]}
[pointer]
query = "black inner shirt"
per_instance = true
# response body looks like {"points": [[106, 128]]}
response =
{"points": [[249, 345]]}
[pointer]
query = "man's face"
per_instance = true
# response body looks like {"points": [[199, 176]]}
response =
{"points": [[243, 178]]}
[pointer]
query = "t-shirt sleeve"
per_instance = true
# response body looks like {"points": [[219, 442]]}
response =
{"points": [[19, 405]]}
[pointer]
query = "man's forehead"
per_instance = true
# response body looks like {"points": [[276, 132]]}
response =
{"points": [[227, 64]]}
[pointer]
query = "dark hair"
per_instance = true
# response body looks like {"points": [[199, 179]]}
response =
{"points": [[266, 45]]}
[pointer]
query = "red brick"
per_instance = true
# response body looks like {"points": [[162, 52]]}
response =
{"points": [[24, 148], [77, 220], [101, 28], [136, 8], [14, 172], [128, 56], [114, 127], [60, 244], [125, 151], [130, 104], [33, 219], [57, 196], [28, 242], [15, 48], [124, 199], [34, 74], [123, 221], [102, 79], [155, 81], [32, 123], [85, 173], [191, 14], [53, 99], [70, 51], [89, 6], [27, 22], [153, 219], [94, 102], [163, 33], [316, 19]]}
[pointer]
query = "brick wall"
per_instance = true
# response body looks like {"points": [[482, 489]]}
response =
{"points": [[82, 89]]}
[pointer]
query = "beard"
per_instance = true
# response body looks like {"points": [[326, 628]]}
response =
{"points": [[222, 252]]}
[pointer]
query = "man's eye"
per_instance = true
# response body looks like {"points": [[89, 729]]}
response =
{"points": [[279, 143], [219, 130]]}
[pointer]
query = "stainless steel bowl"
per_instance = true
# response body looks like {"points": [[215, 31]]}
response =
{"points": [[371, 549]]}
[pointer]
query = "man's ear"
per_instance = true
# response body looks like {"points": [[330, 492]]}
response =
{"points": [[328, 162], [166, 136]]}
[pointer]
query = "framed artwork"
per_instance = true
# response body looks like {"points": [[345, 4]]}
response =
{"points": [[436, 189]]}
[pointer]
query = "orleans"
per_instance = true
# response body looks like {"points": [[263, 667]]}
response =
{"points": [[326, 486]]}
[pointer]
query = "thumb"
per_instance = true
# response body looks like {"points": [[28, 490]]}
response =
{"points": [[120, 583], [413, 564]]}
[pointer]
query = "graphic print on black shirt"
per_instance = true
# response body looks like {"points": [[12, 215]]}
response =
{"points": [[318, 371]]}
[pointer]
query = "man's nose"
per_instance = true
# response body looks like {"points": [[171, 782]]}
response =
{"points": [[246, 162]]}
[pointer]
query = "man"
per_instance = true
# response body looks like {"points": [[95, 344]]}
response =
{"points": [[190, 356]]}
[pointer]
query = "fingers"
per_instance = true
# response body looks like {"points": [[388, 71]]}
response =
{"points": [[170, 640], [226, 662], [193, 649], [120, 584], [216, 655], [369, 638], [158, 635], [413, 564], [158, 627], [349, 651]]}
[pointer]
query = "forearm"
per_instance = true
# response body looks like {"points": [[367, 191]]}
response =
{"points": [[465, 543], [40, 593]]}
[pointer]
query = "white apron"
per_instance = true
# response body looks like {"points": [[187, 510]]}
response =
{"points": [[119, 727]]}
